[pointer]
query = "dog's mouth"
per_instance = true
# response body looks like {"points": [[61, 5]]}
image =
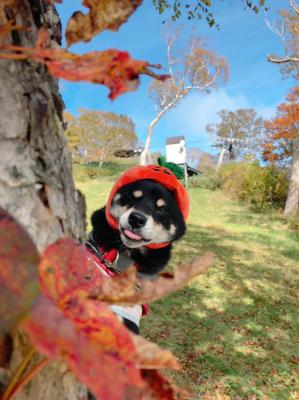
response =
{"points": [[133, 237]]}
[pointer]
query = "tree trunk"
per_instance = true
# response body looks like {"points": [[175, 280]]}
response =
{"points": [[292, 203], [36, 184], [145, 155], [220, 159], [102, 157]]}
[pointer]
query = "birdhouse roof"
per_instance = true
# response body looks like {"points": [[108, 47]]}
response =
{"points": [[174, 139]]}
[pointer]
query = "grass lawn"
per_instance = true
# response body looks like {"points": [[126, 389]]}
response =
{"points": [[235, 329]]}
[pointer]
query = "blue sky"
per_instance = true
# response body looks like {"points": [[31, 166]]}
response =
{"points": [[243, 39]]}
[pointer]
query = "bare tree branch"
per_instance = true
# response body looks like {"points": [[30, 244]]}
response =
{"points": [[193, 68], [294, 5], [283, 60], [287, 28]]}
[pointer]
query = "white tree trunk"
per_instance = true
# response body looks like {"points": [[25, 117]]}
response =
{"points": [[220, 159], [145, 155], [292, 203], [36, 184]]}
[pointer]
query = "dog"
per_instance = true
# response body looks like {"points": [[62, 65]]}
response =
{"points": [[142, 219]]}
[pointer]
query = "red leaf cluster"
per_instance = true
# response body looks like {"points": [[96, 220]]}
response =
{"points": [[112, 68], [71, 319], [282, 129], [85, 332]]}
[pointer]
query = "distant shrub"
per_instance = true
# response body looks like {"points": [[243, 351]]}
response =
{"points": [[79, 173], [85, 172], [232, 178], [206, 181], [261, 187]]}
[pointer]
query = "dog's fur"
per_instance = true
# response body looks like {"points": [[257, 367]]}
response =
{"points": [[147, 213]]}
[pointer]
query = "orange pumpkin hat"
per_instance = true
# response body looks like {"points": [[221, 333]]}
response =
{"points": [[155, 173]]}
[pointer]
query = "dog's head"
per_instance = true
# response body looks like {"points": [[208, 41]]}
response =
{"points": [[146, 213]]}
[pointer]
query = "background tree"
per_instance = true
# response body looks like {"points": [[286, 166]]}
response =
{"points": [[101, 133], [193, 155], [240, 132], [207, 162], [73, 141], [199, 9], [282, 145], [154, 156], [192, 68], [201, 160], [287, 28]]}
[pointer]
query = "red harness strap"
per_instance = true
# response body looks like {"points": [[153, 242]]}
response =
{"points": [[104, 264]]}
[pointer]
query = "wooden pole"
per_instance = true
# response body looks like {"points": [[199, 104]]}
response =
{"points": [[186, 175]]}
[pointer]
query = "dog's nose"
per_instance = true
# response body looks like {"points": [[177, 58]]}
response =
{"points": [[137, 220]]}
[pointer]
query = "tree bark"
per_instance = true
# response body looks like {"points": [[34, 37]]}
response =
{"points": [[292, 203], [36, 184]]}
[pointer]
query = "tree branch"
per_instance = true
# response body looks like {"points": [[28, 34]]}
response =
{"points": [[283, 60], [294, 6]]}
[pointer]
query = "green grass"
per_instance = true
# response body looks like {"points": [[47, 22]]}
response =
{"points": [[235, 328]]}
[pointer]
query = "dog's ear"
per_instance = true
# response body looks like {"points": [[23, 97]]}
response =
{"points": [[181, 230], [98, 218]]}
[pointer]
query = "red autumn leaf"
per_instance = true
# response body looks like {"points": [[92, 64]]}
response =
{"points": [[65, 266], [103, 14], [112, 68], [159, 387], [18, 271], [151, 356], [68, 275], [123, 289], [97, 348], [67, 269]]}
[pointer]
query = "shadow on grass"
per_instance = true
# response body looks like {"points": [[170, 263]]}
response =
{"points": [[287, 245], [234, 328]]}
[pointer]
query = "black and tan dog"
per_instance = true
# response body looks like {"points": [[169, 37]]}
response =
{"points": [[145, 213]]}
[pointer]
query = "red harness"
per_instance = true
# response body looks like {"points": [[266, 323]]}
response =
{"points": [[105, 262]]}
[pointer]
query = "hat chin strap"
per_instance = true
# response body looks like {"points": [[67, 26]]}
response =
{"points": [[154, 246]]}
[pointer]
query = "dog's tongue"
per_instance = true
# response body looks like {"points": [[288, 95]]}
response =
{"points": [[132, 235]]}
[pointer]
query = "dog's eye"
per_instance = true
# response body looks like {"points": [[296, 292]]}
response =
{"points": [[162, 209]]}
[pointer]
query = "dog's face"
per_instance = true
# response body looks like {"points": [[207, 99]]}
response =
{"points": [[147, 213]]}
